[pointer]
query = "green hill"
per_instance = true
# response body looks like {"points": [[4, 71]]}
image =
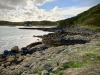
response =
{"points": [[90, 17], [34, 23]]}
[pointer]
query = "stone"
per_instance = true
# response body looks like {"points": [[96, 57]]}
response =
{"points": [[45, 72], [55, 69], [15, 49], [65, 62], [1, 68], [1, 63], [12, 67], [16, 67], [24, 51], [10, 58], [6, 52], [18, 55], [47, 67], [7, 64]]}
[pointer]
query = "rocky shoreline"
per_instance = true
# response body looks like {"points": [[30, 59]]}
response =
{"points": [[52, 54]]}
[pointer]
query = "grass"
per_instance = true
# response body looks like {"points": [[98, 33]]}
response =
{"points": [[59, 73], [98, 44], [65, 66], [91, 27]]}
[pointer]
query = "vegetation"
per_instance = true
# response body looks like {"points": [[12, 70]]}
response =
{"points": [[90, 17], [59, 73], [44, 23]]}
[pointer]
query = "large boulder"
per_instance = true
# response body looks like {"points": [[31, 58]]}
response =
{"points": [[15, 49]]}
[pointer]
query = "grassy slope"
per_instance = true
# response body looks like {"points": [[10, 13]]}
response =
{"points": [[90, 18]]}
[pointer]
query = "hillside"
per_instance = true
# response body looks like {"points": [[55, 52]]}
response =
{"points": [[90, 17], [45, 23]]}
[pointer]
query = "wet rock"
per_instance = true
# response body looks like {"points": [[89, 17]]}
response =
{"points": [[33, 44], [15, 49], [6, 52]]}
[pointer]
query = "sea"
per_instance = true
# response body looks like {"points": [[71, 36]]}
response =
{"points": [[13, 36]]}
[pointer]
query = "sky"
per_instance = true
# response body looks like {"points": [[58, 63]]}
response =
{"points": [[37, 10]]}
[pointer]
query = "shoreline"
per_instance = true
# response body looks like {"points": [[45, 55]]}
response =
{"points": [[52, 44]]}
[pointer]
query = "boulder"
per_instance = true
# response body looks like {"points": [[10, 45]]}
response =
{"points": [[6, 52], [11, 58], [24, 50], [15, 49]]}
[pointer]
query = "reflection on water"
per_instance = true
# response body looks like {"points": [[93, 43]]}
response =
{"points": [[11, 36]]}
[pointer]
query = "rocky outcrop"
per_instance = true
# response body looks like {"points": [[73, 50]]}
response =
{"points": [[68, 37]]}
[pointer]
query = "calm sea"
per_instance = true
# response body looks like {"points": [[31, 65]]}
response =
{"points": [[12, 36]]}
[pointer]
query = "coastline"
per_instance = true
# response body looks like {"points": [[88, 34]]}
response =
{"points": [[51, 53]]}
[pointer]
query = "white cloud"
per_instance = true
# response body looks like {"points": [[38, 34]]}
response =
{"points": [[25, 10]]}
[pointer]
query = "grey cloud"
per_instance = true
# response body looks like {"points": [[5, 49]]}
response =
{"points": [[6, 7], [13, 2], [39, 1]]}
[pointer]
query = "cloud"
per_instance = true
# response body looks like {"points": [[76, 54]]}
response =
{"points": [[7, 7], [27, 10]]}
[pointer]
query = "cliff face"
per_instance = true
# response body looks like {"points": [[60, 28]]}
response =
{"points": [[89, 17]]}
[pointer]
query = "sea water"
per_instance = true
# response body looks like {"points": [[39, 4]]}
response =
{"points": [[12, 36]]}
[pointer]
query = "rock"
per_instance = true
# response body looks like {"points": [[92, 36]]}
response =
{"points": [[6, 52], [1, 63], [11, 58], [2, 56], [16, 67], [18, 55], [1, 68], [45, 72], [55, 69], [65, 62], [47, 67], [21, 58], [15, 49], [7, 64], [12, 67], [38, 54], [33, 44], [24, 51], [1, 60]]}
